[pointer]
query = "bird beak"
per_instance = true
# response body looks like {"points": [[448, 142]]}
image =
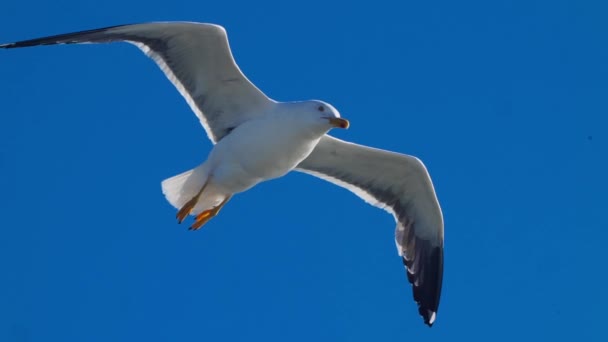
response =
{"points": [[339, 122]]}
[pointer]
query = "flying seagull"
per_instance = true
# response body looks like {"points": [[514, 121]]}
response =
{"points": [[257, 139]]}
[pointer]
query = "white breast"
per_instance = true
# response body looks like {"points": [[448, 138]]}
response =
{"points": [[260, 150]]}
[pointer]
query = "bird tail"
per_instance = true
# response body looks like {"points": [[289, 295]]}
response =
{"points": [[180, 189]]}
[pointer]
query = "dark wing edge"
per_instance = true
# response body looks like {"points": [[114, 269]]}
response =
{"points": [[91, 36], [424, 268], [337, 161]]}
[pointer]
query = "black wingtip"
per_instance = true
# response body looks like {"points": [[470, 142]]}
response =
{"points": [[426, 279], [67, 38], [428, 317]]}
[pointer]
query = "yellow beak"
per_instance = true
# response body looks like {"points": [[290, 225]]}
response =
{"points": [[339, 122]]}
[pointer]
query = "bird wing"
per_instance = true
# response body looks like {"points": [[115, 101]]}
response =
{"points": [[197, 60], [401, 185]]}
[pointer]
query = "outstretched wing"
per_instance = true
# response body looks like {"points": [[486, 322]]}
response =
{"points": [[197, 60], [401, 185]]}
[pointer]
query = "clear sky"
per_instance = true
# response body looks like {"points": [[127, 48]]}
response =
{"points": [[504, 101]]}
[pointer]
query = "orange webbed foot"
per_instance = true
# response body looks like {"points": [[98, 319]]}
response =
{"points": [[207, 215]]}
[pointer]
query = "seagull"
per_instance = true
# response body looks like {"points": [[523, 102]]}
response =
{"points": [[257, 139]]}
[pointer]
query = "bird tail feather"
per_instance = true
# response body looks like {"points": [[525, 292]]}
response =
{"points": [[181, 188]]}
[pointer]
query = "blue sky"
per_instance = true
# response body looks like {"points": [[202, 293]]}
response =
{"points": [[504, 101]]}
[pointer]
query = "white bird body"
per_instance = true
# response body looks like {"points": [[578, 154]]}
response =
{"points": [[246, 156], [293, 138]]}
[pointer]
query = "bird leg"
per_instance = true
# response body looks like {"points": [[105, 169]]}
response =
{"points": [[207, 215], [187, 208]]}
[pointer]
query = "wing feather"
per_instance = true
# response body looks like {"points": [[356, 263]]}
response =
{"points": [[401, 185], [196, 58]]}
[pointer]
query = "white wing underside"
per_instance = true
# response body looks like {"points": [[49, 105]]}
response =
{"points": [[197, 60], [401, 185]]}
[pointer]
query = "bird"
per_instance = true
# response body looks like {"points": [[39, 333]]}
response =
{"points": [[256, 139]]}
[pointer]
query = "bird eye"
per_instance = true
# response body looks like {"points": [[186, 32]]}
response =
{"points": [[321, 109]]}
